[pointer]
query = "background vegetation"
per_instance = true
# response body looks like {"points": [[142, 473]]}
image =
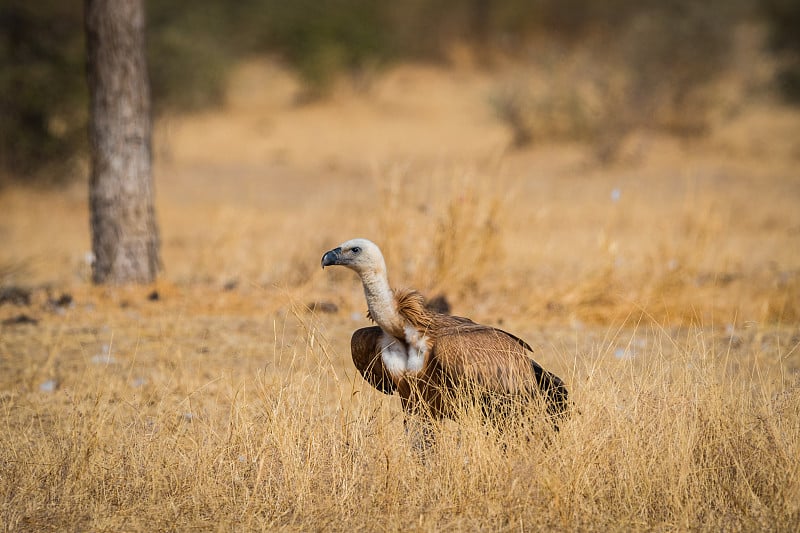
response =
{"points": [[663, 285], [667, 51]]}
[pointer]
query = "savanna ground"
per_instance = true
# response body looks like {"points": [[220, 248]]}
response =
{"points": [[664, 287]]}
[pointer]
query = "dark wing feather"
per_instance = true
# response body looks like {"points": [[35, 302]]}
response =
{"points": [[471, 352], [365, 349], [460, 321], [495, 359]]}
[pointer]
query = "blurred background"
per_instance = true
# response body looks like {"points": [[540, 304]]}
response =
{"points": [[599, 156], [584, 70]]}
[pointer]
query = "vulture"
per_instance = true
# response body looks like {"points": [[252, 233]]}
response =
{"points": [[435, 361]]}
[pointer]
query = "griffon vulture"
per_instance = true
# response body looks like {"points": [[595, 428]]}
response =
{"points": [[434, 360]]}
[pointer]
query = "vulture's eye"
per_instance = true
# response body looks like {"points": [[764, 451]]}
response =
{"points": [[356, 250]]}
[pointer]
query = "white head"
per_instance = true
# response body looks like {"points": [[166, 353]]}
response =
{"points": [[360, 255]]}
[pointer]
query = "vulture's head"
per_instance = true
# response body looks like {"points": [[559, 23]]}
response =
{"points": [[359, 255]]}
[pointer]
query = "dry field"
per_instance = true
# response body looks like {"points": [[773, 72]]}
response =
{"points": [[663, 288]]}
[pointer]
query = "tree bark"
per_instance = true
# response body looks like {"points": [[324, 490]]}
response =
{"points": [[124, 231]]}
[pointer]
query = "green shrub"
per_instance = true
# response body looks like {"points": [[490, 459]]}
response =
{"points": [[645, 66], [42, 85], [783, 17], [189, 53], [322, 38]]}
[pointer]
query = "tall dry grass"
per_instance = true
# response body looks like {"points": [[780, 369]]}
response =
{"points": [[676, 429]]}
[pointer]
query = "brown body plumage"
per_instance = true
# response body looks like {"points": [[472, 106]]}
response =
{"points": [[434, 361]]}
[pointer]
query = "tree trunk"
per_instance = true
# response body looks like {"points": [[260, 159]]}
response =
{"points": [[123, 223]]}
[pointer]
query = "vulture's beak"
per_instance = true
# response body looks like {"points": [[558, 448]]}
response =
{"points": [[332, 257]]}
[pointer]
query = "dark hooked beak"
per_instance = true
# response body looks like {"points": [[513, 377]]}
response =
{"points": [[332, 257]]}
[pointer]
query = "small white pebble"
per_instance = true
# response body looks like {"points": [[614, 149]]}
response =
{"points": [[48, 386], [624, 354], [103, 359]]}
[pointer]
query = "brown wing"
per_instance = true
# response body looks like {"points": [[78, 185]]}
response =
{"points": [[366, 352], [494, 359], [486, 356]]}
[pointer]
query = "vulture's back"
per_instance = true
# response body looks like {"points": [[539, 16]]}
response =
{"points": [[495, 360]]}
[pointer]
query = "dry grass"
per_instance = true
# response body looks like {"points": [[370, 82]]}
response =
{"points": [[678, 429], [664, 291]]}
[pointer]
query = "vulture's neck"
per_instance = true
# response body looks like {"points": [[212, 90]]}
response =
{"points": [[382, 304]]}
